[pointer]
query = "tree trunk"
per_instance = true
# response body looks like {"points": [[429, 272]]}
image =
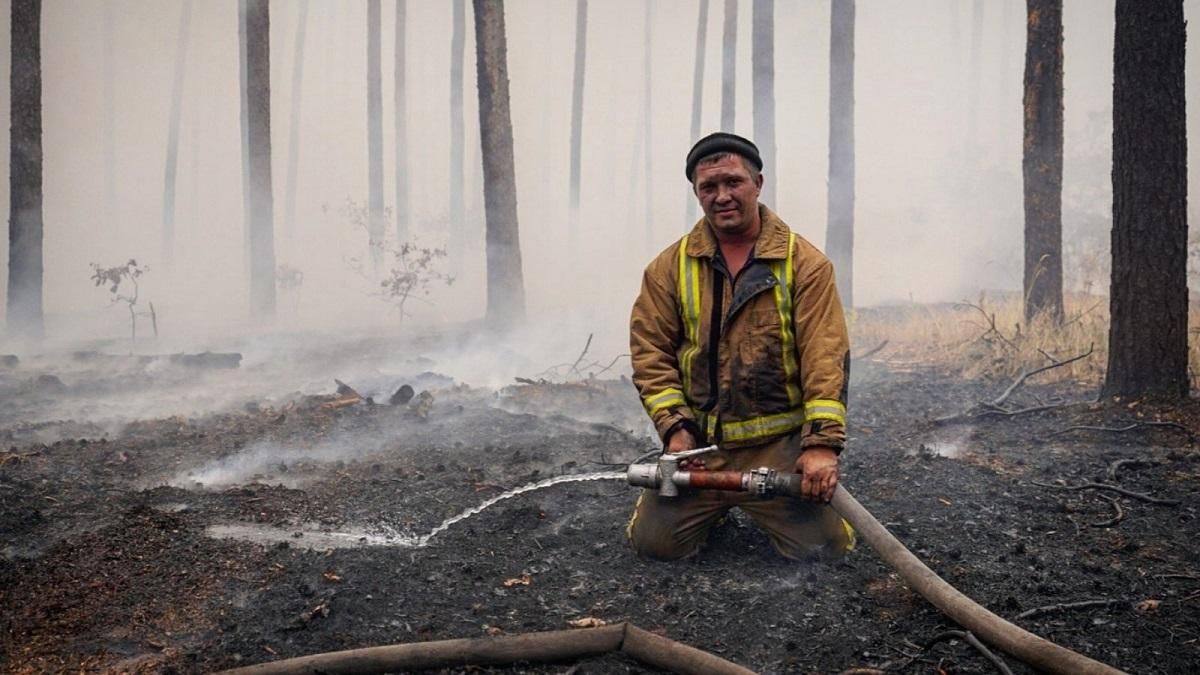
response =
{"points": [[1148, 349], [697, 95], [1043, 163], [581, 7], [109, 120], [24, 308], [839, 232], [974, 82], [244, 100], [401, 125], [647, 122], [257, 19], [172, 165], [375, 219], [506, 290], [729, 67], [289, 209], [763, 62], [458, 42]]}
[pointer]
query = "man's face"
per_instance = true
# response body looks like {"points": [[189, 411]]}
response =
{"points": [[729, 195]]}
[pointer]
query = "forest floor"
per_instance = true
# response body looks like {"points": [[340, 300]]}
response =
{"points": [[261, 531]]}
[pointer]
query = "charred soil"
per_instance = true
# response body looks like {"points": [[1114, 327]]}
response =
{"points": [[195, 544]]}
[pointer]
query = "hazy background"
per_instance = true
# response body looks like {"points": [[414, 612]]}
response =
{"points": [[939, 195]]}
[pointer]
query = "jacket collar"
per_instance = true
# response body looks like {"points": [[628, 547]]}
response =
{"points": [[772, 243]]}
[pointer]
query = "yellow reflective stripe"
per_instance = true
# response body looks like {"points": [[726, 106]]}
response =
{"points": [[783, 303], [762, 427], [689, 300], [825, 409], [667, 398]]}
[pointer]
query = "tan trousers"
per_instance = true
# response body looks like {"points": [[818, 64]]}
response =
{"points": [[669, 528]]}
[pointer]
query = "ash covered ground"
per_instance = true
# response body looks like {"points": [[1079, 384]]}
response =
{"points": [[160, 517]]}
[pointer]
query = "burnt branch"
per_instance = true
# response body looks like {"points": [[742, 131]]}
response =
{"points": [[1118, 512], [1114, 488], [999, 400], [1130, 427], [1064, 606]]}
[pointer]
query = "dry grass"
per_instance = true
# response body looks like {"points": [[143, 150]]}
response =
{"points": [[988, 337]]}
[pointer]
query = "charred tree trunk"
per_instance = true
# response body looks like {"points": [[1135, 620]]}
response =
{"points": [[839, 230], [1043, 163], [257, 19], [110, 119], [763, 62], [375, 219], [244, 100], [1148, 350], [581, 7], [170, 172], [289, 209], [401, 124], [24, 301], [647, 122], [506, 289], [697, 94], [729, 67], [458, 45]]}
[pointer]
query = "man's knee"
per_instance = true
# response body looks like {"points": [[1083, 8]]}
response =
{"points": [[659, 545]]}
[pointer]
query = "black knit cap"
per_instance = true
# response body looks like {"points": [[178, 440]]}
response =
{"points": [[722, 142]]}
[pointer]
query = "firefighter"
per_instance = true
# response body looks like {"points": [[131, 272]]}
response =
{"points": [[738, 339]]}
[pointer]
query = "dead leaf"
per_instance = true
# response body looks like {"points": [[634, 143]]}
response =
{"points": [[330, 576], [492, 630], [587, 622], [1147, 605], [523, 580]]}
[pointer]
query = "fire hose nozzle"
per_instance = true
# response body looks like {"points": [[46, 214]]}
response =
{"points": [[661, 476]]}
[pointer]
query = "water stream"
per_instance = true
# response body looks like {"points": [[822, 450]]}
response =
{"points": [[315, 538]]}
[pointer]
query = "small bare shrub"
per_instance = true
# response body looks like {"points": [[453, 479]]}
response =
{"points": [[122, 283]]}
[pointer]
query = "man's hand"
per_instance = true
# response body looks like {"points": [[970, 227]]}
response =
{"points": [[819, 467], [681, 440]]}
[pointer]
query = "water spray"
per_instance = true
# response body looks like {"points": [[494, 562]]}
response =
{"points": [[666, 477]]}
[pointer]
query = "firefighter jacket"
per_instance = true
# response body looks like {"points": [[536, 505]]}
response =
{"points": [[747, 363]]}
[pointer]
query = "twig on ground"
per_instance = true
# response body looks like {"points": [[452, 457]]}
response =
{"points": [[1049, 358], [1022, 411], [1176, 576], [1118, 516], [1114, 488], [871, 352], [1064, 606], [612, 363], [1131, 427], [1128, 461], [1029, 373], [969, 638]]}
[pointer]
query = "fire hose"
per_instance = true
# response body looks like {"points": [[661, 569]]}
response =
{"points": [[667, 478]]}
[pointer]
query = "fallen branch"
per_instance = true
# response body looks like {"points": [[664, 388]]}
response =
{"points": [[1030, 373], [1131, 427], [871, 352], [969, 638], [1114, 488], [1129, 461], [1064, 606], [1117, 517], [587, 345], [1022, 411]]}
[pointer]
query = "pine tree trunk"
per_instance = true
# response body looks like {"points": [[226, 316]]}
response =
{"points": [[401, 124], [839, 232], [647, 121], [763, 63], [1043, 163], [257, 19], [170, 172], [109, 119], [458, 42], [697, 95], [24, 301], [289, 209], [1148, 349], [506, 289], [729, 67], [375, 219], [581, 8]]}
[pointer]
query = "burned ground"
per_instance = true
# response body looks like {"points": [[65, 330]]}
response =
{"points": [[113, 558]]}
